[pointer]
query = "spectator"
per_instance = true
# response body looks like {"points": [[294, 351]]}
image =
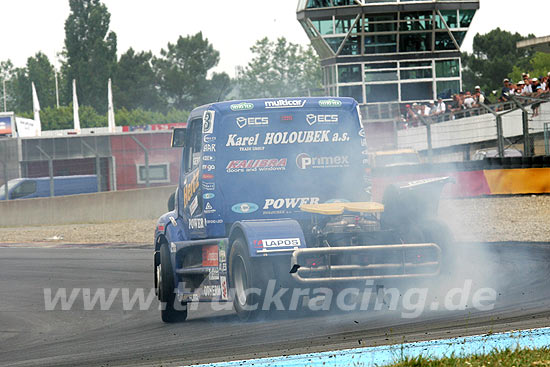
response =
{"points": [[519, 88], [469, 101], [505, 92], [430, 110], [457, 106], [440, 107], [527, 88], [537, 91], [479, 96], [411, 114]]}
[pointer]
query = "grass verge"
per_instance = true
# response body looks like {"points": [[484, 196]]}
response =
{"points": [[504, 358]]}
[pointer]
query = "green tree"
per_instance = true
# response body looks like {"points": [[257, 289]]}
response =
{"points": [[39, 70], [89, 53], [135, 83], [61, 118], [280, 69], [7, 74], [182, 70], [539, 65], [494, 56]]}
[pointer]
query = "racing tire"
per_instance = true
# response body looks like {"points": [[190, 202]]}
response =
{"points": [[243, 278], [165, 282], [436, 231]]}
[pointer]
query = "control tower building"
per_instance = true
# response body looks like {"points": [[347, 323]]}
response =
{"points": [[388, 53]]}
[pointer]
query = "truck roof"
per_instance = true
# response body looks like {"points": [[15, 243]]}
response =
{"points": [[270, 104]]}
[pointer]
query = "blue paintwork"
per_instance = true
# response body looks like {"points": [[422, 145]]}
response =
{"points": [[332, 136], [388, 354], [63, 185], [259, 162]]}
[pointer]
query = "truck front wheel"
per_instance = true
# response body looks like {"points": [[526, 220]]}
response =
{"points": [[165, 284]]}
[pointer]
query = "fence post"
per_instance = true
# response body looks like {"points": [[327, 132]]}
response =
{"points": [[500, 134], [526, 137], [146, 155], [500, 137], [50, 169], [546, 137], [5, 165], [97, 164]]}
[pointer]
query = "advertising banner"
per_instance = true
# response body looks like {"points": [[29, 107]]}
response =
{"points": [[26, 127], [154, 127], [6, 124]]}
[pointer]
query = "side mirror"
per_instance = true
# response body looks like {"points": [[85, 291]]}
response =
{"points": [[178, 137], [172, 202]]}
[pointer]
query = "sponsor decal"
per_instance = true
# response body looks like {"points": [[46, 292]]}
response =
{"points": [[288, 203], [173, 221], [208, 167], [209, 148], [222, 258], [208, 138], [209, 186], [330, 103], [208, 122], [190, 189], [210, 255], [223, 285], [362, 133], [252, 121], [285, 103], [281, 242], [196, 159], [305, 161], [214, 221], [244, 208], [214, 274], [243, 106], [255, 165], [365, 152], [208, 208], [194, 205], [363, 142], [207, 176], [196, 223], [212, 291], [208, 158], [280, 138], [312, 119], [233, 140], [208, 196], [287, 118]]}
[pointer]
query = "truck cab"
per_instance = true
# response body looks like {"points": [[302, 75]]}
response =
{"points": [[275, 189]]}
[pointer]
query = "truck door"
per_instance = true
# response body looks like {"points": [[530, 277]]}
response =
{"points": [[192, 209]]}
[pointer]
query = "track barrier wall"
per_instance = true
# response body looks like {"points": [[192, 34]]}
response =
{"points": [[492, 176], [149, 203]]}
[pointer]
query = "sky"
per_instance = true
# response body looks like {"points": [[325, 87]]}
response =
{"points": [[232, 27]]}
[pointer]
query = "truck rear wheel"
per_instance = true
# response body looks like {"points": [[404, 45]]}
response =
{"points": [[245, 281], [165, 283], [436, 231]]}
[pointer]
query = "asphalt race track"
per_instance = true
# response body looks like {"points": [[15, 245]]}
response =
{"points": [[30, 335]]}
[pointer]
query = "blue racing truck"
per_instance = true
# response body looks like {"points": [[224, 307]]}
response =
{"points": [[275, 189]]}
